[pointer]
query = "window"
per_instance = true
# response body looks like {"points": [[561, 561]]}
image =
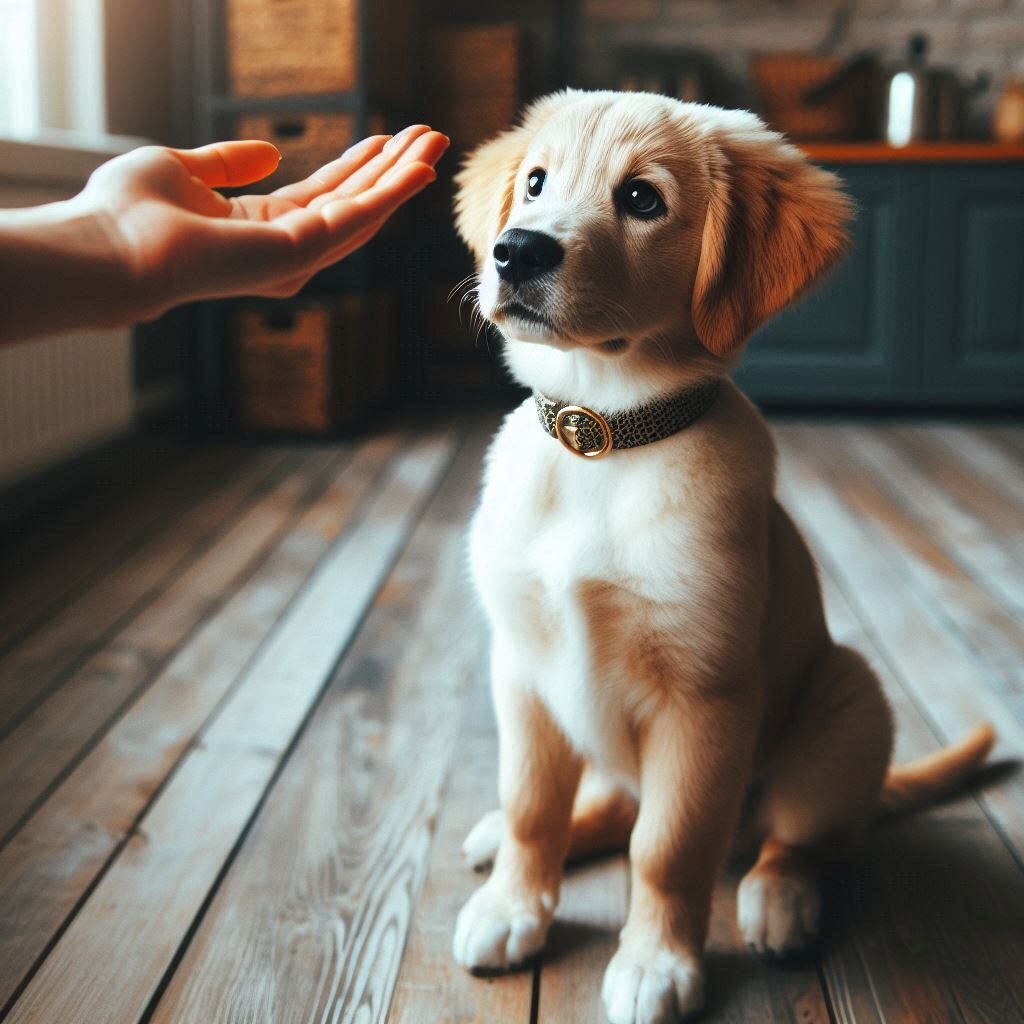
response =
{"points": [[51, 66], [19, 95]]}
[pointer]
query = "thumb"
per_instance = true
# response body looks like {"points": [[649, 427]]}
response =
{"points": [[230, 163]]}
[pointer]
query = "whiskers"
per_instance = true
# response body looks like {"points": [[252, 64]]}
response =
{"points": [[469, 286]]}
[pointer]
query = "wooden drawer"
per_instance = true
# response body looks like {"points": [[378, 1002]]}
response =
{"points": [[291, 47], [314, 366], [306, 142]]}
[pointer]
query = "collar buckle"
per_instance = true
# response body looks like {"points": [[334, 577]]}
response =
{"points": [[576, 427]]}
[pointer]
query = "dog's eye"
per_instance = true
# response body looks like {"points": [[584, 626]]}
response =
{"points": [[640, 199], [535, 184]]}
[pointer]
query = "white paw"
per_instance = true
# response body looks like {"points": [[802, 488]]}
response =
{"points": [[481, 845], [653, 986], [496, 930], [778, 913]]}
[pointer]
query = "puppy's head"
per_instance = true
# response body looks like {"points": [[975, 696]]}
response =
{"points": [[633, 226]]}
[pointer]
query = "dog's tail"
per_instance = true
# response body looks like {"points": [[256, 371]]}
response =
{"points": [[909, 786]]}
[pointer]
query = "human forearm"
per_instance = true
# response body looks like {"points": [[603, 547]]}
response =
{"points": [[150, 232], [59, 270]]}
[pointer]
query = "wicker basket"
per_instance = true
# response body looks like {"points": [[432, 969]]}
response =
{"points": [[782, 81], [306, 142], [314, 366], [291, 47]]}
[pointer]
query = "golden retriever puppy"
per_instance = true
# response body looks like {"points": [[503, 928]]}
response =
{"points": [[657, 624]]}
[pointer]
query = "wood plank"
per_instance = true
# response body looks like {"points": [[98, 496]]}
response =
{"points": [[951, 471], [1010, 436], [58, 854], [943, 676], [965, 535], [42, 660], [311, 920], [62, 546], [431, 987], [584, 937], [164, 873], [906, 937], [36, 755], [1000, 469], [888, 495]]}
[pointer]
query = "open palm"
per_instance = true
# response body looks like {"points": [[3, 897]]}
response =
{"points": [[181, 240]]}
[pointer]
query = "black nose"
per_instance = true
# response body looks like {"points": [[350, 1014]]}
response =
{"points": [[520, 255]]}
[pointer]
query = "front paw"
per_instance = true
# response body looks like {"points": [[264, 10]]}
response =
{"points": [[481, 845], [497, 929], [778, 913], [652, 985]]}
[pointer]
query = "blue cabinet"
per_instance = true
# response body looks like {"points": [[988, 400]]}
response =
{"points": [[927, 308]]}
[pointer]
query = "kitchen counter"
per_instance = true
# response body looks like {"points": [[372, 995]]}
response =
{"points": [[925, 309], [916, 153]]}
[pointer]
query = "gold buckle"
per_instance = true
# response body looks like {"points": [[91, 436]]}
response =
{"points": [[567, 432]]}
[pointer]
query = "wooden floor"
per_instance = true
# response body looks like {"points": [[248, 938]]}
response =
{"points": [[245, 728]]}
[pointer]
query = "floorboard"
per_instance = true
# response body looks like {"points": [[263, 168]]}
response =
{"points": [[243, 746], [953, 689], [58, 548], [431, 987], [311, 920], [61, 850], [36, 754], [163, 874], [43, 659]]}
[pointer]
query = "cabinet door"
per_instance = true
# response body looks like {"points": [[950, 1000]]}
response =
{"points": [[852, 339], [974, 300]]}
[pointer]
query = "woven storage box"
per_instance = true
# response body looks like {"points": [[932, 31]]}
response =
{"points": [[289, 47], [308, 367], [783, 79], [306, 142], [311, 47]]}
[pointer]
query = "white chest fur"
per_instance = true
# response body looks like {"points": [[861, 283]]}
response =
{"points": [[553, 537]]}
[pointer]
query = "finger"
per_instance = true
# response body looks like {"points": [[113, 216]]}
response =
{"points": [[238, 257], [366, 177], [292, 285], [224, 164], [346, 216], [424, 149], [331, 175], [198, 197]]}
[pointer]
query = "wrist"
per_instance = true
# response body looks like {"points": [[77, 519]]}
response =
{"points": [[62, 271]]}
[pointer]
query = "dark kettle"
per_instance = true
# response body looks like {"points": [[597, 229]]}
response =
{"points": [[923, 102]]}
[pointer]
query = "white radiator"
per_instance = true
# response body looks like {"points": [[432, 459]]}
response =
{"points": [[61, 395]]}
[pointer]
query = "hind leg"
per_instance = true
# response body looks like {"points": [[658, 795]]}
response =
{"points": [[821, 786], [603, 816]]}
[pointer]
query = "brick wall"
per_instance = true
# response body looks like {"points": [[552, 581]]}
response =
{"points": [[969, 35]]}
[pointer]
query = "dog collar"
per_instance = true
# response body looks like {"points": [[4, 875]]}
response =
{"points": [[592, 435]]}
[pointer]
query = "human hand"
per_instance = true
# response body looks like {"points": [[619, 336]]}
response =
{"points": [[178, 240]]}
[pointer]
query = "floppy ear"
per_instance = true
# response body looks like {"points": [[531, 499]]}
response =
{"points": [[484, 197], [774, 223]]}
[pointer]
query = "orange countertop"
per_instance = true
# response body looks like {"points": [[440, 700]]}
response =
{"points": [[916, 153]]}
